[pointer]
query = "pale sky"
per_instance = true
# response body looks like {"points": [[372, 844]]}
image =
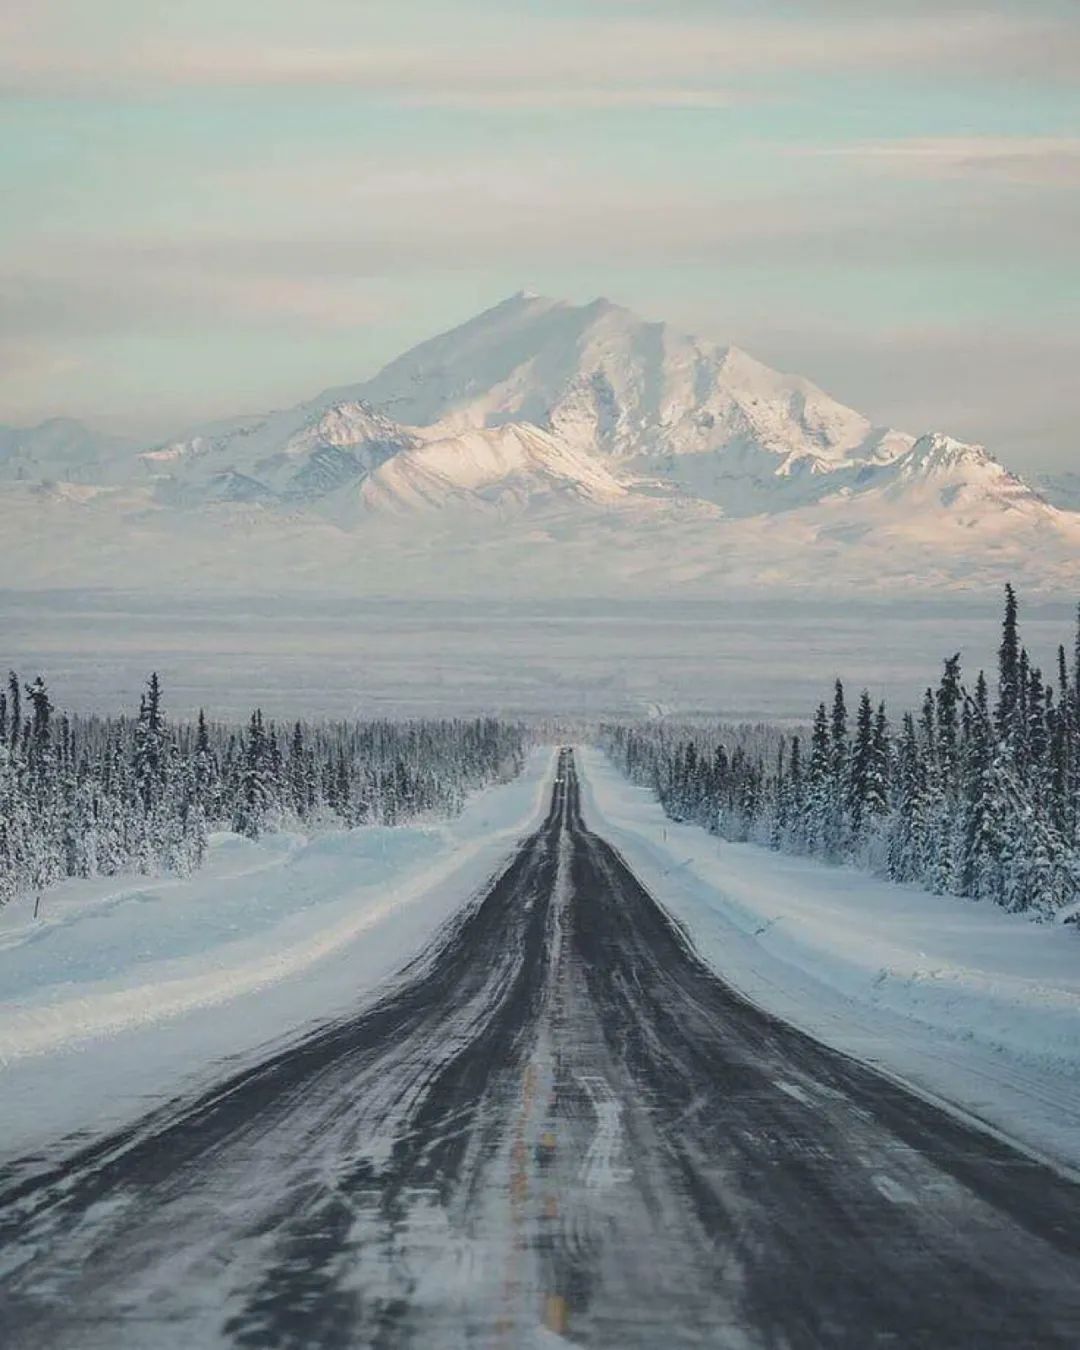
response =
{"points": [[215, 206]]}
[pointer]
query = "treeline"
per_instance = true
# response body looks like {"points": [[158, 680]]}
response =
{"points": [[975, 794], [81, 797]]}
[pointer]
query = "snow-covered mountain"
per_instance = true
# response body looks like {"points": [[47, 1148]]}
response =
{"points": [[674, 415], [60, 449], [939, 472], [289, 457], [708, 419], [549, 448], [514, 465]]}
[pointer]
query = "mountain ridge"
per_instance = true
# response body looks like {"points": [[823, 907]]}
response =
{"points": [[622, 450]]}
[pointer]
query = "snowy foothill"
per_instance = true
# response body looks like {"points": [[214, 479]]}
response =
{"points": [[124, 991], [972, 1006]]}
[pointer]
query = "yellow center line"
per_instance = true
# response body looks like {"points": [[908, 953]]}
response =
{"points": [[519, 1194], [555, 1314]]}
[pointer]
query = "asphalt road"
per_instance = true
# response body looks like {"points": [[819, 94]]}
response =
{"points": [[558, 1126]]}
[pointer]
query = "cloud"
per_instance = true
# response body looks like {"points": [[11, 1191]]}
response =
{"points": [[314, 233], [1048, 161], [539, 60], [123, 289], [22, 361], [487, 209], [582, 98]]}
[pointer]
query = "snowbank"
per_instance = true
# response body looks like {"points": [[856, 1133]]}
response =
{"points": [[282, 932], [965, 1002]]}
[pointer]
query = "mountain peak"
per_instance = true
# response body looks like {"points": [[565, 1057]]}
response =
{"points": [[964, 477], [937, 454], [520, 300], [608, 381]]}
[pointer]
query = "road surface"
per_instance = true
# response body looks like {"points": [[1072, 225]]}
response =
{"points": [[558, 1127]]}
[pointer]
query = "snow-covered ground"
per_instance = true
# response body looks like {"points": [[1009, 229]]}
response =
{"points": [[718, 659], [968, 1004], [123, 990]]}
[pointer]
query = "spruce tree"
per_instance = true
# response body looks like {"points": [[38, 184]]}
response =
{"points": [[149, 759], [819, 784], [862, 767], [1008, 670], [947, 708], [15, 730], [981, 864], [796, 796], [881, 766], [839, 768], [907, 842]]}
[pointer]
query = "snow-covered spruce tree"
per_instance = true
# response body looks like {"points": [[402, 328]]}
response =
{"points": [[777, 803], [877, 804], [205, 772], [862, 763], [981, 846], [89, 796], [1006, 715], [978, 800], [819, 796], [908, 827], [1061, 804], [837, 834], [258, 805], [793, 789]]}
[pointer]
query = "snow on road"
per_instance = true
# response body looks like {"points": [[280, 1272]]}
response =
{"points": [[969, 1004], [126, 988]]}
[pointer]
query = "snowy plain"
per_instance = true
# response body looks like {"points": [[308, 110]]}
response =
{"points": [[722, 658], [125, 991], [973, 1007]]}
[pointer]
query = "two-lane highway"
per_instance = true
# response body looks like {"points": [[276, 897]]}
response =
{"points": [[558, 1125]]}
